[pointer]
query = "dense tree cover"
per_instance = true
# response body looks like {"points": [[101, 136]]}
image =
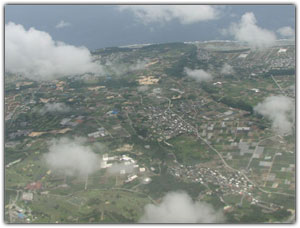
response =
{"points": [[94, 201], [10, 89], [177, 69], [209, 88], [111, 50], [188, 60], [12, 155], [234, 51], [159, 47], [141, 130], [119, 83], [255, 215], [276, 72], [281, 214], [231, 102], [240, 104], [282, 71]]}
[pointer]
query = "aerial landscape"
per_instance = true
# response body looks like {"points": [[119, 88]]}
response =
{"points": [[148, 129]]}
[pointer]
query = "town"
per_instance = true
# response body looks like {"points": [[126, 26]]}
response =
{"points": [[154, 126]]}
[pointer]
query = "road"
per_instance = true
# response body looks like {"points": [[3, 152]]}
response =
{"points": [[256, 149], [130, 122], [281, 90], [269, 171], [141, 100]]}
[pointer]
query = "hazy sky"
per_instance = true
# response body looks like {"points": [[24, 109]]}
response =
{"points": [[98, 26]]}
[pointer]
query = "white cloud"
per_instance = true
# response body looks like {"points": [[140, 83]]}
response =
{"points": [[35, 55], [71, 157], [62, 24], [185, 14], [249, 32], [280, 110], [227, 69], [199, 75], [54, 108], [178, 207], [118, 68], [286, 32]]}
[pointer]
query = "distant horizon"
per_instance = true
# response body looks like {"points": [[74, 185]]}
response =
{"points": [[102, 26], [186, 42]]}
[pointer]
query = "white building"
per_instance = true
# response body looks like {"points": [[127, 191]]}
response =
{"points": [[282, 50], [28, 196], [131, 178], [105, 157]]}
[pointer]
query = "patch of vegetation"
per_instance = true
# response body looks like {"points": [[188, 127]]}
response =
{"points": [[189, 150], [162, 184]]}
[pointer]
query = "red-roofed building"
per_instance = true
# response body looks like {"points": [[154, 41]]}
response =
{"points": [[34, 186], [78, 121]]}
